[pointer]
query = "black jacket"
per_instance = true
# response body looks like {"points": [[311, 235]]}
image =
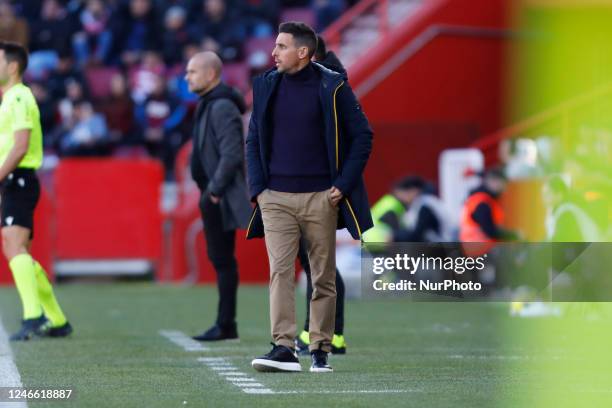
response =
{"points": [[348, 139], [217, 161]]}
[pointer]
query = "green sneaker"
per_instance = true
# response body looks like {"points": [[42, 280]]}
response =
{"points": [[338, 344]]}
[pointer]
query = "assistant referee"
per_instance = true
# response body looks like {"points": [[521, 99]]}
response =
{"points": [[21, 155]]}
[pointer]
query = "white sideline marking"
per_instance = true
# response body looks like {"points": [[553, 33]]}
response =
{"points": [[259, 391], [227, 368], [240, 379], [182, 340], [249, 384], [230, 373], [224, 368], [9, 375], [346, 391]]}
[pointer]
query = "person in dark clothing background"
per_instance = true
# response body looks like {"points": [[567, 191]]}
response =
{"points": [[217, 166], [425, 219], [338, 346]]}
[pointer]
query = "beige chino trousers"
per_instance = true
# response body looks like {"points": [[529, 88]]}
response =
{"points": [[286, 217]]}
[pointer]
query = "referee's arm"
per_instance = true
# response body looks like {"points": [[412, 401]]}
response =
{"points": [[17, 153]]}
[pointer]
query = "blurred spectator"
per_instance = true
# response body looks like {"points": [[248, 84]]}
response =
{"points": [[89, 136], [410, 213], [93, 42], [177, 85], [220, 31], [386, 214], [426, 219], [176, 35], [135, 30], [118, 109], [160, 118], [143, 77], [29, 9], [46, 106], [162, 6], [482, 217], [327, 12], [295, 3], [260, 16], [12, 28], [568, 219], [49, 37], [74, 92], [64, 72]]}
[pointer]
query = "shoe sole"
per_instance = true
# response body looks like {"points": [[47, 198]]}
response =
{"points": [[270, 366], [321, 370]]}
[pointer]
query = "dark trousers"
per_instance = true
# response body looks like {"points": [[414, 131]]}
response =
{"points": [[339, 325], [220, 246]]}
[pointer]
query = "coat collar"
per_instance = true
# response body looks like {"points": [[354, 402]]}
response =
{"points": [[329, 79]]}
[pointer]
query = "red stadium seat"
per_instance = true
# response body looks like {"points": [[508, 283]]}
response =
{"points": [[237, 75], [303, 14], [99, 81], [262, 47]]}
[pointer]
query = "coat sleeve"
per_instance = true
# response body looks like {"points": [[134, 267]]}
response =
{"points": [[357, 134], [255, 175], [227, 127]]}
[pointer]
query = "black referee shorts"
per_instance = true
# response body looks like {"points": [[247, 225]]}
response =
{"points": [[20, 194]]}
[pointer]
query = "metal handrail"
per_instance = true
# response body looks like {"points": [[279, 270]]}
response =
{"points": [[333, 32]]}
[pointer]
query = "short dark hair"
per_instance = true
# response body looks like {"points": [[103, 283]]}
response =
{"points": [[321, 51], [409, 183], [14, 52], [303, 35]]}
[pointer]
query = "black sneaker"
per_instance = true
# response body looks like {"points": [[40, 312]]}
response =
{"points": [[280, 359], [31, 328], [319, 362], [216, 333], [62, 331]]}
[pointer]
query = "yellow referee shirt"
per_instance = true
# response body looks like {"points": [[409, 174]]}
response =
{"points": [[19, 111]]}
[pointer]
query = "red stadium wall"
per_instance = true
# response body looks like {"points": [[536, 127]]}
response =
{"points": [[107, 209]]}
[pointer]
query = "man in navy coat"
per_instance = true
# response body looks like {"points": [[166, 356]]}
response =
{"points": [[307, 147]]}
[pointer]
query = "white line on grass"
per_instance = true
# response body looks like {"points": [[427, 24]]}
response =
{"points": [[222, 367], [249, 384], [9, 375], [182, 340], [346, 391]]}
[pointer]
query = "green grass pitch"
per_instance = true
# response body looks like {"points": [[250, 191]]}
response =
{"points": [[399, 353]]}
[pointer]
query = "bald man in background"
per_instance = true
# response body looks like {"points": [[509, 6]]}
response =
{"points": [[217, 166]]}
